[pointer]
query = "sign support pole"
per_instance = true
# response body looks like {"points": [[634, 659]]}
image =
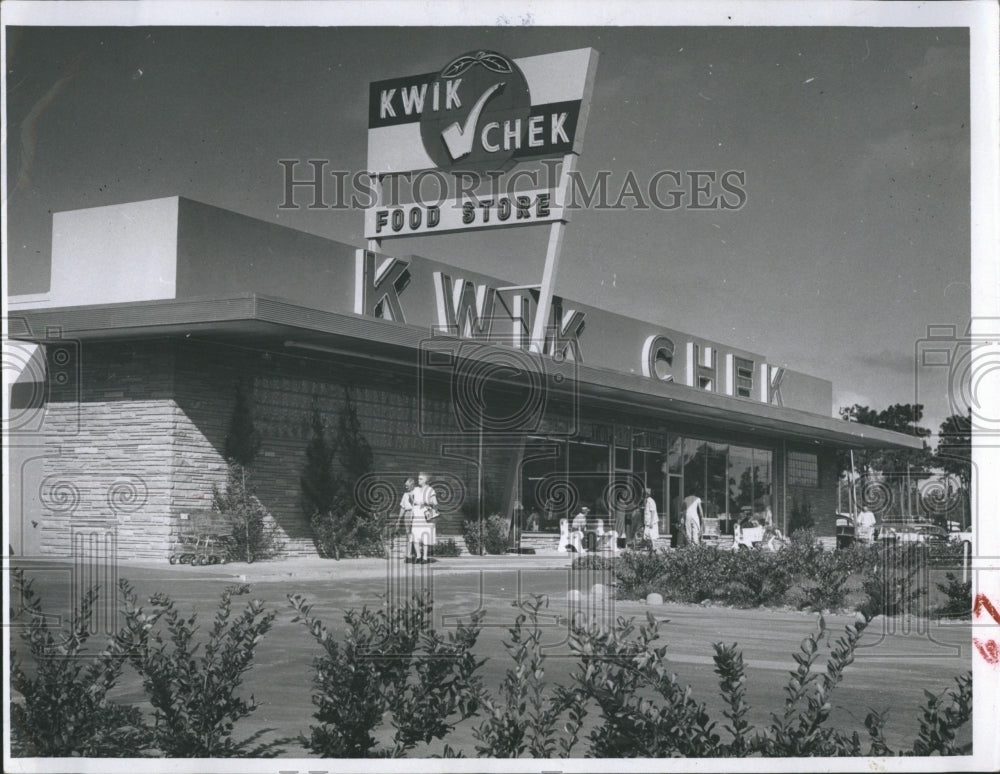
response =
{"points": [[556, 234], [375, 245]]}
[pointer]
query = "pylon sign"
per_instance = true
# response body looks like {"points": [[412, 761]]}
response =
{"points": [[482, 111]]}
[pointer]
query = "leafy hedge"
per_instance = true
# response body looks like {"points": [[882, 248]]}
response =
{"points": [[391, 666], [874, 579], [487, 536]]}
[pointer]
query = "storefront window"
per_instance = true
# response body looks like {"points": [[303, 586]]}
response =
{"points": [[588, 465], [716, 485], [543, 491], [675, 459], [750, 483]]}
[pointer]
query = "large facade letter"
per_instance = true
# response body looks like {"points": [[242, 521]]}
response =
{"points": [[563, 338], [464, 309], [376, 290], [739, 376], [770, 384], [702, 367], [658, 358]]}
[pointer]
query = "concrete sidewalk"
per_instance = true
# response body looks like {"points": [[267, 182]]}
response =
{"points": [[316, 568]]}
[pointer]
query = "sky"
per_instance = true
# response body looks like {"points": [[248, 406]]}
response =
{"points": [[854, 142]]}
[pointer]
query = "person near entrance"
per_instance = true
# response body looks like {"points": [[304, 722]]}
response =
{"points": [[579, 526], [424, 513], [677, 531], [693, 515], [865, 526], [650, 518]]}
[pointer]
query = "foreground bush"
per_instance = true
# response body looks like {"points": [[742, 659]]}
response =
{"points": [[388, 661], [391, 666], [527, 717], [65, 710], [642, 710], [195, 700]]}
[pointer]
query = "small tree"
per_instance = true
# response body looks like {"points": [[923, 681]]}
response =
{"points": [[329, 499], [356, 457], [251, 533], [243, 442], [318, 483]]}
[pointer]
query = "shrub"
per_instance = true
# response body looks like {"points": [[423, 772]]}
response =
{"points": [[754, 578], [66, 711], [800, 550], [941, 716], [341, 532], [445, 548], [897, 584], [254, 533], [643, 708], [526, 717], [195, 700], [694, 573], [958, 603], [389, 660], [825, 586], [486, 536]]}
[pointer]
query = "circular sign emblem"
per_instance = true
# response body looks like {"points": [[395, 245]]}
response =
{"points": [[478, 115]]}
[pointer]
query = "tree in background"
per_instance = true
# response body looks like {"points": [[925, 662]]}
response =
{"points": [[318, 482], [328, 489], [253, 536], [901, 418], [954, 452]]}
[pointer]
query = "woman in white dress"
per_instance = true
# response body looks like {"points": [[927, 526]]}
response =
{"points": [[692, 519], [422, 528], [650, 519]]}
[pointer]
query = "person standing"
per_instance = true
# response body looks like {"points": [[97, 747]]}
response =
{"points": [[650, 519], [424, 513], [406, 520], [693, 515], [865, 526], [677, 522]]}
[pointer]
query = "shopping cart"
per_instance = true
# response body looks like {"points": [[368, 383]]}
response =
{"points": [[204, 537]]}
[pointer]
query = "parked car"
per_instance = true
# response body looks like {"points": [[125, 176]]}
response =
{"points": [[925, 534]]}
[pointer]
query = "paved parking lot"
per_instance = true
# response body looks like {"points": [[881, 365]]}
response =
{"points": [[897, 662]]}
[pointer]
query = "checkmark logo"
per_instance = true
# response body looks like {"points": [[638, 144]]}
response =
{"points": [[458, 139]]}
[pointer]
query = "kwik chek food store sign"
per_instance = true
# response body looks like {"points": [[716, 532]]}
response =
{"points": [[485, 112]]}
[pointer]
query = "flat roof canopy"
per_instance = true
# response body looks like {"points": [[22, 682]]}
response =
{"points": [[258, 316]]}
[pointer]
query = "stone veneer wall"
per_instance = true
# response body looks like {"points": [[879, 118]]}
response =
{"points": [[109, 461], [140, 439]]}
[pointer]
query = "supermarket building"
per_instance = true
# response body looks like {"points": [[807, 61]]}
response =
{"points": [[158, 309]]}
